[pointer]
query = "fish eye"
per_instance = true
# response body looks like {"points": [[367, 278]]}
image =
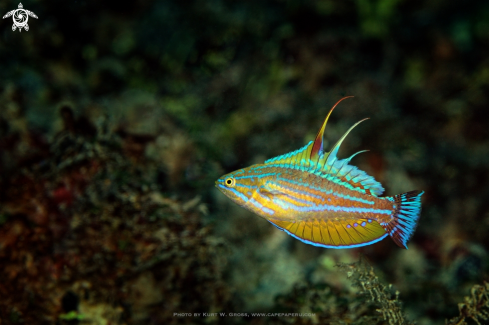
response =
{"points": [[230, 182]]}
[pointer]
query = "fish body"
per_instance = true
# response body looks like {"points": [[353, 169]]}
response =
{"points": [[322, 200]]}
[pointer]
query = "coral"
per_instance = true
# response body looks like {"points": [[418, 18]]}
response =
{"points": [[87, 234], [333, 306], [326, 304], [363, 277], [475, 307]]}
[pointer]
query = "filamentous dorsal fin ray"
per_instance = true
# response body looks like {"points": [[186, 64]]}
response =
{"points": [[331, 156], [314, 159], [318, 148]]}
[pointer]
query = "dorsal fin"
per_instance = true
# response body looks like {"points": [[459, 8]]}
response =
{"points": [[318, 148], [312, 158]]}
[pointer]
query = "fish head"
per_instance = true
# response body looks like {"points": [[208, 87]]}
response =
{"points": [[240, 185]]}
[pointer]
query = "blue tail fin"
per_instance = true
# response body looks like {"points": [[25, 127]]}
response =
{"points": [[408, 209]]}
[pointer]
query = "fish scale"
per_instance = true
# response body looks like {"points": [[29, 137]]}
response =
{"points": [[321, 200]]}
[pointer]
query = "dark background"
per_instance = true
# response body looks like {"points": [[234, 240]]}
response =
{"points": [[116, 119]]}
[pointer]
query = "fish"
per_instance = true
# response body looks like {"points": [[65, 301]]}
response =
{"points": [[321, 200]]}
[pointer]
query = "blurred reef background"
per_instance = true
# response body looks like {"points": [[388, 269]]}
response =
{"points": [[116, 119]]}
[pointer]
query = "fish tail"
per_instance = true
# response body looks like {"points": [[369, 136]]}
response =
{"points": [[405, 219]]}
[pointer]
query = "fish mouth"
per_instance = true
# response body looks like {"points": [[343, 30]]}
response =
{"points": [[221, 187]]}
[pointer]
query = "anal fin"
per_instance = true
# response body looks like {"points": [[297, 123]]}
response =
{"points": [[334, 234]]}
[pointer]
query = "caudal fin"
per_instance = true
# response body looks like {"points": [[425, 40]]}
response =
{"points": [[405, 219]]}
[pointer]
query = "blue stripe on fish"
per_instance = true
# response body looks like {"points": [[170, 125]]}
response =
{"points": [[326, 207], [237, 193], [343, 196]]}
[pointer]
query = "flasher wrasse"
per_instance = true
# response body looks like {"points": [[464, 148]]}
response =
{"points": [[322, 200]]}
